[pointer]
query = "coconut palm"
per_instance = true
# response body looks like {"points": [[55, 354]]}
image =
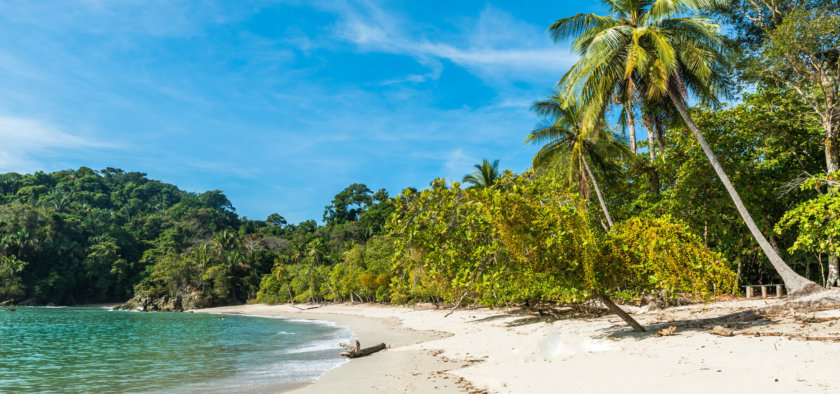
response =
{"points": [[485, 174], [673, 52], [568, 139], [655, 115]]}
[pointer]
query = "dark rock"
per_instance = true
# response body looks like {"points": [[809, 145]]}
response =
{"points": [[28, 302], [177, 303]]}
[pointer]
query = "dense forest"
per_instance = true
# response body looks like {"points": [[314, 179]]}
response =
{"points": [[714, 196], [83, 236]]}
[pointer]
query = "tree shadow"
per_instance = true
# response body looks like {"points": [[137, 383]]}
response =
{"points": [[687, 325], [550, 315]]}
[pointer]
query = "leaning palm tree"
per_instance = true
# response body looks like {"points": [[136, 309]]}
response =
{"points": [[673, 52], [485, 174], [568, 139]]}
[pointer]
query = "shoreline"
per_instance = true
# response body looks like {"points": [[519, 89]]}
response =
{"points": [[395, 369], [484, 350]]}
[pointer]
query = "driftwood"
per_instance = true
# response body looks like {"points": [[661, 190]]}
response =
{"points": [[305, 309], [666, 332], [357, 351], [722, 331]]}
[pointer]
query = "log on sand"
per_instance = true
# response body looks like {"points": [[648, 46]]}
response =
{"points": [[357, 351]]}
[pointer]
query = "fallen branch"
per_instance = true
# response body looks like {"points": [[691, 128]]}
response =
{"points": [[357, 351], [305, 309]]}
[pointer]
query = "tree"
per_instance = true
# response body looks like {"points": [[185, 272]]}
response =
{"points": [[802, 52], [753, 20], [485, 174], [763, 142], [674, 54], [10, 281], [276, 220], [526, 241], [568, 138], [818, 220], [348, 204]]}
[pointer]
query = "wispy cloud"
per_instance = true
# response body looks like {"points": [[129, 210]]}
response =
{"points": [[493, 45], [242, 96], [457, 165], [23, 139]]}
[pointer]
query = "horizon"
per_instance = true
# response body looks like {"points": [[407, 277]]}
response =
{"points": [[280, 105]]}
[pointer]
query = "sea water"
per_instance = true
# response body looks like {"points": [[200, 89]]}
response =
{"points": [[94, 350]]}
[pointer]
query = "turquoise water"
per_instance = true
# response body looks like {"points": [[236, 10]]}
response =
{"points": [[89, 350]]}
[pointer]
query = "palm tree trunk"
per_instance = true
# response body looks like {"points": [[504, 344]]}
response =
{"points": [[648, 122], [659, 136], [653, 178], [794, 282], [631, 125], [620, 312], [597, 190]]}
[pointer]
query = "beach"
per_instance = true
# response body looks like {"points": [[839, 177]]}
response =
{"points": [[507, 351]]}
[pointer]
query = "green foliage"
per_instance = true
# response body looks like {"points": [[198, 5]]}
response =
{"points": [[361, 275], [348, 204], [444, 243], [818, 219], [95, 236], [527, 241], [763, 143], [661, 254], [642, 46], [10, 282], [485, 174], [91, 236]]}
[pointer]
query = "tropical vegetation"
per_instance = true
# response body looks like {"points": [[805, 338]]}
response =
{"points": [[718, 195]]}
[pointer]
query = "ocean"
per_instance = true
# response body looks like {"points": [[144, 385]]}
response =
{"points": [[96, 350]]}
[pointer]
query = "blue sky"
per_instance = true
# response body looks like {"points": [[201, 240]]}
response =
{"points": [[280, 104]]}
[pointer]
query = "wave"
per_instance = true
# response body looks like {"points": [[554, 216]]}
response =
{"points": [[343, 334], [267, 378]]}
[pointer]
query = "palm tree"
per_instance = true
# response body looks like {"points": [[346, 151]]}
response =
{"points": [[485, 174], [226, 240], [567, 139], [655, 114], [625, 96], [673, 52]]}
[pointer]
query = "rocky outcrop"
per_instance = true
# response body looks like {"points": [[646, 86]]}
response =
{"points": [[176, 303]]}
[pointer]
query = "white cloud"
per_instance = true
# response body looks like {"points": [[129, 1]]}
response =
{"points": [[495, 45], [458, 164], [23, 138]]}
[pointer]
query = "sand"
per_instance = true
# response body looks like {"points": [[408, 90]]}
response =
{"points": [[507, 352]]}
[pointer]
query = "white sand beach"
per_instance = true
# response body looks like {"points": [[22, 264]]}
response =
{"points": [[485, 350]]}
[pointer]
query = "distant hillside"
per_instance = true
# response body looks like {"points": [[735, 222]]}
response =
{"points": [[82, 235], [85, 236]]}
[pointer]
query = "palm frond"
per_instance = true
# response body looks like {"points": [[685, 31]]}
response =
{"points": [[579, 23]]}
